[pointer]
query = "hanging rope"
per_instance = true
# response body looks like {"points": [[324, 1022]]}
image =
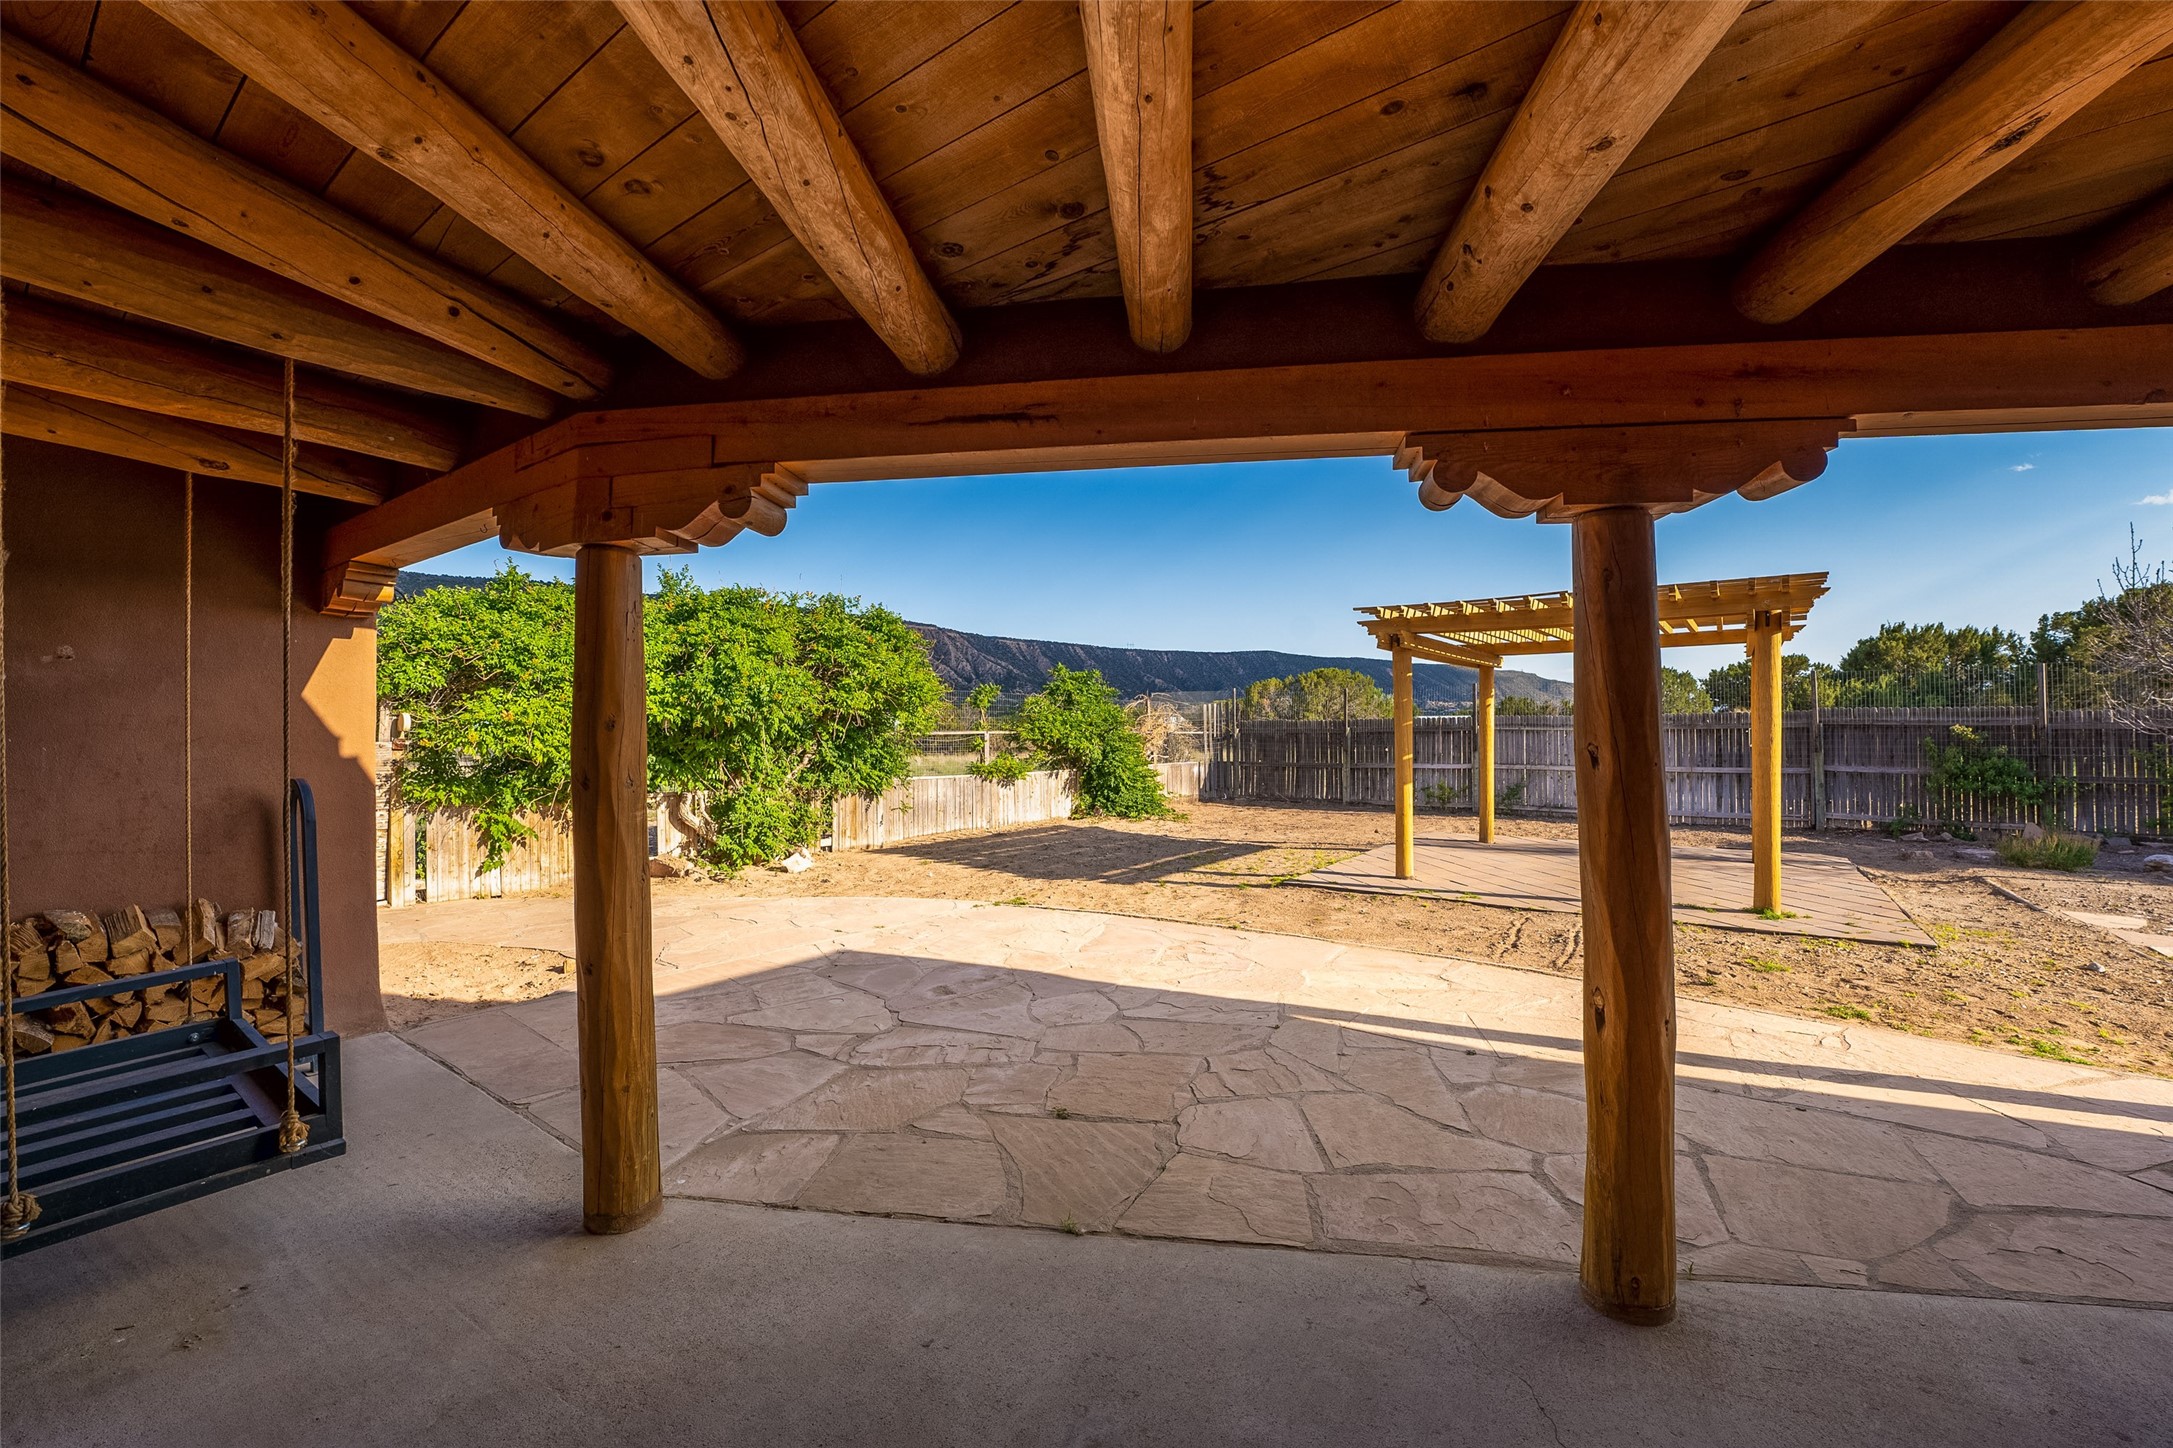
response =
{"points": [[293, 1133], [188, 738], [20, 1208]]}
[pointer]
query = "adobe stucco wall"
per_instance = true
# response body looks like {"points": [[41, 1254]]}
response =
{"points": [[94, 704]]}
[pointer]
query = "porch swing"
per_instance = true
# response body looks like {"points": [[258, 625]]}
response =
{"points": [[125, 1126]]}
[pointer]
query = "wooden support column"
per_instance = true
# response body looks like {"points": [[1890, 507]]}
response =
{"points": [[1406, 766], [1629, 943], [621, 1179], [1765, 767], [1482, 778]]}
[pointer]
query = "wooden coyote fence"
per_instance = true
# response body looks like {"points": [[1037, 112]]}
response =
{"points": [[451, 852], [951, 803], [1838, 766]]}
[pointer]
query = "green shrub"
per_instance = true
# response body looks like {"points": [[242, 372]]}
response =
{"points": [[1003, 769], [766, 706], [1076, 723], [1966, 764], [2054, 850]]}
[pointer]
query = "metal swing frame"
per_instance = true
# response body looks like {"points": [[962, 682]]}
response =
{"points": [[131, 1125]]}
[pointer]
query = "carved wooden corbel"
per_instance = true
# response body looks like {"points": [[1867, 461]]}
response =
{"points": [[1558, 473]]}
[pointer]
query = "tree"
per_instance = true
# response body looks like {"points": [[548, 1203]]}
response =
{"points": [[765, 706], [981, 698], [2130, 639], [1681, 693], [1077, 724], [1728, 687], [1930, 648], [487, 674], [1515, 706], [1326, 693], [768, 707]]}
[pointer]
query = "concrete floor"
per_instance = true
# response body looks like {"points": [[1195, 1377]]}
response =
{"points": [[430, 1287]]}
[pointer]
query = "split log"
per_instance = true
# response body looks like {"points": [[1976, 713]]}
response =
{"points": [[133, 962], [206, 940], [166, 925], [31, 1036], [127, 931]]}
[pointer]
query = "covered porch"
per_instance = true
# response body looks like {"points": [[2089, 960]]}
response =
{"points": [[648, 287]]}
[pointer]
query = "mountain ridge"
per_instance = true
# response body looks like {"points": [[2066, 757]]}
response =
{"points": [[1018, 665]]}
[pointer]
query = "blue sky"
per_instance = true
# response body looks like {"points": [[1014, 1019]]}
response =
{"points": [[1986, 530]]}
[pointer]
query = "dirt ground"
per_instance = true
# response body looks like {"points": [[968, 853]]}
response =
{"points": [[2003, 974]]}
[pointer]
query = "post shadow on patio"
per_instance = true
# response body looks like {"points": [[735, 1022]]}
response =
{"points": [[1478, 633]]}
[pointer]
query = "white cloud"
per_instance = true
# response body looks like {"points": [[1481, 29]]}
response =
{"points": [[2023, 468], [2157, 500]]}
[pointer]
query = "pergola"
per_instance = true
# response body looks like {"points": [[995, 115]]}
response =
{"points": [[613, 280], [1478, 633]]}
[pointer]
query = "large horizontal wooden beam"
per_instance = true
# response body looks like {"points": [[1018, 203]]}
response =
{"points": [[62, 350], [70, 126], [2045, 65], [333, 66], [2135, 259], [1139, 62], [80, 249], [1364, 407], [1613, 70], [743, 68], [190, 447]]}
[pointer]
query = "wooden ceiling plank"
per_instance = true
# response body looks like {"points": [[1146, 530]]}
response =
{"points": [[63, 350], [328, 63], [860, 49], [1615, 68], [742, 67], [78, 249], [138, 54], [69, 125], [195, 447], [2134, 260], [681, 174], [2042, 67], [1139, 60]]}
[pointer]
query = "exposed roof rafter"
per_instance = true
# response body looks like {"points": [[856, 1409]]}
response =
{"points": [[1139, 61], [743, 68], [2045, 65], [330, 64]]}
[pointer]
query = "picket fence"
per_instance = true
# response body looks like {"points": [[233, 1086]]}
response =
{"points": [[1841, 767], [449, 865]]}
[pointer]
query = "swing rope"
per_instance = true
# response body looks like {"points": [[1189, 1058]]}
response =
{"points": [[20, 1208], [188, 739], [293, 1132]]}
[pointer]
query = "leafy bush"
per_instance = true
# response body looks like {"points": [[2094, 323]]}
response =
{"points": [[1077, 724], [2054, 850], [1004, 768], [981, 698], [765, 706], [1969, 765]]}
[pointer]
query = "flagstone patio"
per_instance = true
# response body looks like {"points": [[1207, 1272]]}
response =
{"points": [[1098, 1073]]}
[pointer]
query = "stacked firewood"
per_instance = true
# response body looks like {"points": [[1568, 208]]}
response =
{"points": [[64, 948]]}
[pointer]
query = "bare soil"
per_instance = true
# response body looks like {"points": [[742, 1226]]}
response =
{"points": [[2004, 973]]}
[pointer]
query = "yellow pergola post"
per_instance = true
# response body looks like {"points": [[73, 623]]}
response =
{"points": [[1482, 778], [1765, 765], [1406, 766]]}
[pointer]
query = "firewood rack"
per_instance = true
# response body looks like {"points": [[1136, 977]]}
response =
{"points": [[128, 1126]]}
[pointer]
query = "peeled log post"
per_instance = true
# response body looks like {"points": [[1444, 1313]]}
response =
{"points": [[1482, 784], [1406, 766], [1765, 768], [621, 1178], [1629, 945]]}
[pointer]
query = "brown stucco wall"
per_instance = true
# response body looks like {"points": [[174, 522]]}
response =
{"points": [[94, 704]]}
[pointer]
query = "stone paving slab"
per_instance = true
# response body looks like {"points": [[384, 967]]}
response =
{"points": [[1825, 895], [1094, 1073]]}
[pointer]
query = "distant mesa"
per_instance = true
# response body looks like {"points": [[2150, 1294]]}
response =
{"points": [[1017, 666]]}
